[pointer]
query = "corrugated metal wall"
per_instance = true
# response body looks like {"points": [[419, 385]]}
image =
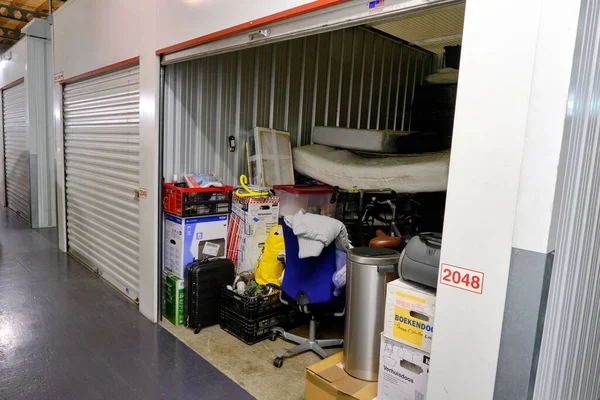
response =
{"points": [[350, 78], [102, 152], [569, 360], [16, 151]]}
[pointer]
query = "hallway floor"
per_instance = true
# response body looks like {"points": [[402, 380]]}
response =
{"points": [[66, 334]]}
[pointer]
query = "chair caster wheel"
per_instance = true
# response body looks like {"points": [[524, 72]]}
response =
{"points": [[278, 362], [273, 336], [197, 330]]}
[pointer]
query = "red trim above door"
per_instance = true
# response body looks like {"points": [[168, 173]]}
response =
{"points": [[13, 83], [120, 64], [292, 12]]}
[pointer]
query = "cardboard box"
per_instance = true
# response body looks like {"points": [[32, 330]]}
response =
{"points": [[327, 380], [249, 225], [257, 214], [409, 311], [173, 296], [192, 238], [403, 371]]}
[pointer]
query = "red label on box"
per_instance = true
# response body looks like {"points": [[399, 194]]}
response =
{"points": [[462, 278]]}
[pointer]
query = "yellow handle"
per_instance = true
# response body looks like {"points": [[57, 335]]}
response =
{"points": [[249, 192]]}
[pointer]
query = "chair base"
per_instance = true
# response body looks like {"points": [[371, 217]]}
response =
{"points": [[305, 344]]}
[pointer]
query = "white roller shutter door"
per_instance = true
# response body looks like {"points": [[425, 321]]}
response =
{"points": [[16, 151], [101, 125]]}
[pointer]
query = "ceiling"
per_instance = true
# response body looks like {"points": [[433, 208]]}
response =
{"points": [[14, 15], [432, 30]]}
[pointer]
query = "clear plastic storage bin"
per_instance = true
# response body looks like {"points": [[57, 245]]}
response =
{"points": [[315, 199]]}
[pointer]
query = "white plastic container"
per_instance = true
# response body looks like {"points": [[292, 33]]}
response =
{"points": [[315, 199]]}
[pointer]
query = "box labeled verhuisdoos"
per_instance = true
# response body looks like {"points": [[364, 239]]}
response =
{"points": [[403, 371], [192, 238]]}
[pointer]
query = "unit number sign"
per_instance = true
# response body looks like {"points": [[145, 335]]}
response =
{"points": [[462, 278]]}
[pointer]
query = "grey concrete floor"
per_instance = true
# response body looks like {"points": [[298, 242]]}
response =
{"points": [[252, 366], [66, 334]]}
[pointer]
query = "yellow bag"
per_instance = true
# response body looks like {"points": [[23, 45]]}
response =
{"points": [[269, 268]]}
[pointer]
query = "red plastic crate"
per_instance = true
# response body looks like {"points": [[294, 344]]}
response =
{"points": [[180, 200]]}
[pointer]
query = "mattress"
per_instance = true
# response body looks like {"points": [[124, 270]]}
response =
{"points": [[365, 140], [405, 174]]}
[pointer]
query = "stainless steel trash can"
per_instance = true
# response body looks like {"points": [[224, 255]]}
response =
{"points": [[366, 272]]}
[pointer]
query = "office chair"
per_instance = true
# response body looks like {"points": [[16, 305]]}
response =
{"points": [[307, 285]]}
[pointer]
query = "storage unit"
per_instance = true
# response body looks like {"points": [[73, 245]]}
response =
{"points": [[16, 150], [101, 142], [358, 76]]}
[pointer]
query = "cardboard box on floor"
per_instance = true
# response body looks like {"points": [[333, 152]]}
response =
{"points": [[173, 295], [327, 380]]}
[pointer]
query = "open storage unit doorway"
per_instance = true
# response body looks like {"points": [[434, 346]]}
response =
{"points": [[362, 77], [362, 73], [354, 78]]}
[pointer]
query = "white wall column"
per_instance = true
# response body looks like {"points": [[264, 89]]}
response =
{"points": [[510, 116], [149, 163], [38, 79]]}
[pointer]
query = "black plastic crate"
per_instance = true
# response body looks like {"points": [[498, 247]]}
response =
{"points": [[254, 331], [250, 307]]}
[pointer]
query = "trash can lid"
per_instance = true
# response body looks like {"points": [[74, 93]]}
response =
{"points": [[373, 256]]}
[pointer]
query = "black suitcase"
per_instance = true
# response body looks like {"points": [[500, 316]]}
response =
{"points": [[203, 282]]}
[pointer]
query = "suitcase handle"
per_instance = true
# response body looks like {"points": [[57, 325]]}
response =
{"points": [[205, 260], [432, 239]]}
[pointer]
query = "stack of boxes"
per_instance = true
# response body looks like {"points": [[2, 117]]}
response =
{"points": [[250, 319], [192, 238], [406, 341], [195, 227]]}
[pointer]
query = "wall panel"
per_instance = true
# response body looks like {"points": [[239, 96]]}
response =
{"points": [[569, 357]]}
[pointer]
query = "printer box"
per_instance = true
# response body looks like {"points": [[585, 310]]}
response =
{"points": [[403, 371], [192, 238], [327, 380], [409, 311], [173, 295]]}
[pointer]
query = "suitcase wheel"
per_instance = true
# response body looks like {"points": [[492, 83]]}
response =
{"points": [[197, 330]]}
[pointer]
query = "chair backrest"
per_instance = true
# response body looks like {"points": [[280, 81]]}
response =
{"points": [[310, 277]]}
